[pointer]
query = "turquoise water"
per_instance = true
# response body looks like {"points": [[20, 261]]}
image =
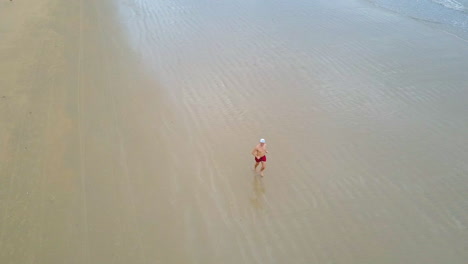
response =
{"points": [[449, 15]]}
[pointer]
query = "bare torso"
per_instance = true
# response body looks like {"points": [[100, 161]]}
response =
{"points": [[260, 150]]}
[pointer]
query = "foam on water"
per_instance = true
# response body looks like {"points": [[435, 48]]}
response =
{"points": [[449, 15], [452, 4]]}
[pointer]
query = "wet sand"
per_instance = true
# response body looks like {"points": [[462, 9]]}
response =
{"points": [[127, 126]]}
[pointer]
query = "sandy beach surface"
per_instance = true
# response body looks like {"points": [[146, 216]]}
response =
{"points": [[127, 126]]}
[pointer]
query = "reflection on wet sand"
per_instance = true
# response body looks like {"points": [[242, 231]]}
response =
{"points": [[127, 127], [258, 192]]}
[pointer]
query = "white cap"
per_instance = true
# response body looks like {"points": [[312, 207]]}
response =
{"points": [[262, 140]]}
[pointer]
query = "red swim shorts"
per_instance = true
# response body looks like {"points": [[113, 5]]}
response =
{"points": [[261, 159]]}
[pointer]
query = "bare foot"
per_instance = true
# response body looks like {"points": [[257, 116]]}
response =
{"points": [[261, 174]]}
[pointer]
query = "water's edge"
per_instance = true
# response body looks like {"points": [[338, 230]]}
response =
{"points": [[450, 16]]}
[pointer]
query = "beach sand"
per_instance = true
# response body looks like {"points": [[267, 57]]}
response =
{"points": [[127, 126]]}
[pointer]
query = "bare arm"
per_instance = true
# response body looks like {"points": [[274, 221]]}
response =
{"points": [[254, 152]]}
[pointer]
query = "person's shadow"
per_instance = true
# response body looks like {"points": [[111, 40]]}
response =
{"points": [[258, 192]]}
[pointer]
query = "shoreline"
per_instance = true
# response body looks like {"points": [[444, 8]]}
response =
{"points": [[450, 29], [127, 130]]}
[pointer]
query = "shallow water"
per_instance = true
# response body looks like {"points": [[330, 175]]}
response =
{"points": [[448, 15], [365, 113], [134, 144]]}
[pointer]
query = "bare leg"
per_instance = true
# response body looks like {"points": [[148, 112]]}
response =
{"points": [[263, 168], [256, 165]]}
